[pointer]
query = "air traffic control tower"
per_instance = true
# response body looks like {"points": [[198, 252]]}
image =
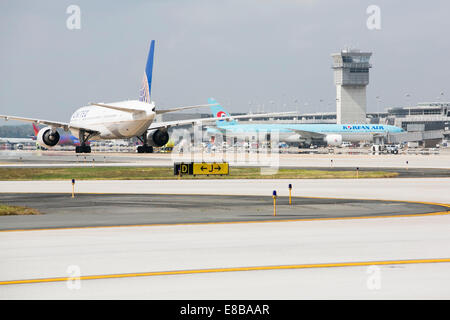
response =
{"points": [[351, 76]]}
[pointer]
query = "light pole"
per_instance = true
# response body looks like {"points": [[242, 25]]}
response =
{"points": [[378, 103], [407, 99]]}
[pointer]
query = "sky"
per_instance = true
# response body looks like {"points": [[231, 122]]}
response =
{"points": [[251, 55]]}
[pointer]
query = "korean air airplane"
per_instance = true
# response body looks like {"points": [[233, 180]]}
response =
{"points": [[304, 134], [115, 120]]}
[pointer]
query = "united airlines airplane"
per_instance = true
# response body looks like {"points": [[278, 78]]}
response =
{"points": [[116, 120], [304, 134]]}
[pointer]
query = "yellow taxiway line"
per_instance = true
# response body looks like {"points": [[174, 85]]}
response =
{"points": [[232, 269]]}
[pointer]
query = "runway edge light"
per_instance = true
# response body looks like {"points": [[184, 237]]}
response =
{"points": [[290, 193], [274, 196], [73, 188]]}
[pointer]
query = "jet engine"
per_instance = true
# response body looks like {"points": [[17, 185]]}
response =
{"points": [[333, 139], [157, 137], [47, 137]]}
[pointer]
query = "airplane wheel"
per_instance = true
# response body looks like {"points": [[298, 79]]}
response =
{"points": [[82, 149], [145, 149], [148, 149]]}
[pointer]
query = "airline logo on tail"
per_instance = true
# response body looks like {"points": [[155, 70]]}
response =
{"points": [[35, 129], [218, 111], [145, 91], [221, 114]]}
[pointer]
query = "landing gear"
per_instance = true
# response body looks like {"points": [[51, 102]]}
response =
{"points": [[145, 148], [83, 137], [83, 149], [304, 145]]}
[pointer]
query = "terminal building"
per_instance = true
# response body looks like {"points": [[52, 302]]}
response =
{"points": [[425, 116], [427, 123]]}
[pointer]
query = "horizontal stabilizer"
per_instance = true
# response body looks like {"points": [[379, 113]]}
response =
{"points": [[124, 109]]}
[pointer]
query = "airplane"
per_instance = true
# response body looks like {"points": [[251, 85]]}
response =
{"points": [[116, 120], [16, 140], [16, 143], [305, 134]]}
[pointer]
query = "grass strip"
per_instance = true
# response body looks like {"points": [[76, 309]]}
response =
{"points": [[159, 173], [6, 210]]}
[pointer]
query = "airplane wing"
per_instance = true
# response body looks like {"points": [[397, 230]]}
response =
{"points": [[265, 115], [168, 124], [181, 108], [131, 110], [16, 140], [308, 134], [53, 124]]}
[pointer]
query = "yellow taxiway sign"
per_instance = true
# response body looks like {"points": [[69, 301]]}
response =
{"points": [[210, 168]]}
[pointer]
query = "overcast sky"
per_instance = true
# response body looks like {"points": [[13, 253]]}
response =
{"points": [[245, 53]]}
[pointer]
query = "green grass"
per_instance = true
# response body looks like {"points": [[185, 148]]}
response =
{"points": [[147, 173], [6, 210]]}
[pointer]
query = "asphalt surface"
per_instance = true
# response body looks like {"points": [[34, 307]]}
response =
{"points": [[93, 210]]}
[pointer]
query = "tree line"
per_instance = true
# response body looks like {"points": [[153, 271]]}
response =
{"points": [[20, 131]]}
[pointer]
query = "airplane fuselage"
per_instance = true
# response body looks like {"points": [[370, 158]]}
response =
{"points": [[112, 124], [349, 132]]}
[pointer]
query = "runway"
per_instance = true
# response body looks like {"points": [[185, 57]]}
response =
{"points": [[97, 210]]}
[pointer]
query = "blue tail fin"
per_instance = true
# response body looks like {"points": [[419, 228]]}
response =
{"points": [[218, 111], [146, 88]]}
